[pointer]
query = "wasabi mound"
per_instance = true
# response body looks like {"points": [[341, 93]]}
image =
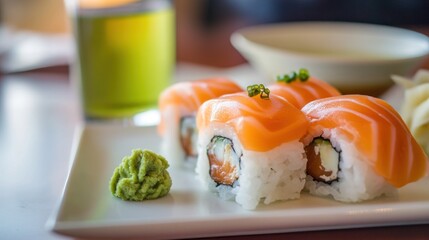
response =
{"points": [[141, 176]]}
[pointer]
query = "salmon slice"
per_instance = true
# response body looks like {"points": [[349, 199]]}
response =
{"points": [[377, 131], [188, 96], [300, 93], [260, 124]]}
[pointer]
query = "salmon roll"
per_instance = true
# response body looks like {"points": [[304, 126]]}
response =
{"points": [[178, 106], [300, 88], [249, 148], [359, 148]]}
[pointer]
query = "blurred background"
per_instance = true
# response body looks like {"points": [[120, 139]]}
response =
{"points": [[39, 111], [204, 26], [36, 33]]}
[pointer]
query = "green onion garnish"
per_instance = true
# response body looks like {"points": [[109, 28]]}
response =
{"points": [[258, 89], [302, 75]]}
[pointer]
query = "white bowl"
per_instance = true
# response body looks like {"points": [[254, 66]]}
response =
{"points": [[354, 57]]}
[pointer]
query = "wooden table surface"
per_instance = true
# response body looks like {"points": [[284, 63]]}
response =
{"points": [[38, 115]]}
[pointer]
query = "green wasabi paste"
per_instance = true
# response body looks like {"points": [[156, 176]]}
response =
{"points": [[141, 176]]}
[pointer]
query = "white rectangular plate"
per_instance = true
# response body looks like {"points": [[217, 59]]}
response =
{"points": [[88, 209]]}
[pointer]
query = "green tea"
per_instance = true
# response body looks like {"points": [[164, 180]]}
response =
{"points": [[125, 60]]}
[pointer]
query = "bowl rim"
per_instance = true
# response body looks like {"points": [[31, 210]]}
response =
{"points": [[242, 43]]}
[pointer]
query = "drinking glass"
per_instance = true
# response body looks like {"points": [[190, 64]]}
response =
{"points": [[125, 55]]}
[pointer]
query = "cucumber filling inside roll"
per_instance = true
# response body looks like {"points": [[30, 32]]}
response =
{"points": [[322, 160], [188, 135], [223, 160]]}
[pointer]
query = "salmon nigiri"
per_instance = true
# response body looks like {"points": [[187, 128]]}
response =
{"points": [[250, 148], [301, 88], [358, 148], [178, 106]]}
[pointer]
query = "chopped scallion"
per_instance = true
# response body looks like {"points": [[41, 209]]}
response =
{"points": [[302, 75], [258, 89]]}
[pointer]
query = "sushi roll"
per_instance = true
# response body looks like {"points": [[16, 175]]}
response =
{"points": [[178, 106], [249, 148], [299, 88], [358, 148]]}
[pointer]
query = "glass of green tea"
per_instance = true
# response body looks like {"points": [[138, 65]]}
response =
{"points": [[125, 55]]}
